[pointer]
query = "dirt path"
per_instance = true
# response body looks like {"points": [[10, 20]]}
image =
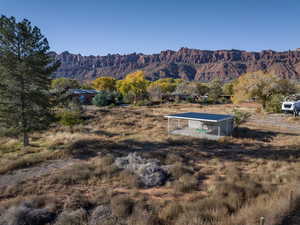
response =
{"points": [[20, 175]]}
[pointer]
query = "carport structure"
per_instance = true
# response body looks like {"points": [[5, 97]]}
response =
{"points": [[201, 125]]}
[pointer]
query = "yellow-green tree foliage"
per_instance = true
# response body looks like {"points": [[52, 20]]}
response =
{"points": [[104, 84], [261, 86], [167, 85], [134, 84], [64, 83], [228, 88]]}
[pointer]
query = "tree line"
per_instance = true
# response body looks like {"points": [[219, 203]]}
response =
{"points": [[267, 89]]}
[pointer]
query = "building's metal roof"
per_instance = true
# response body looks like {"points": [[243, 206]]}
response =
{"points": [[83, 91], [201, 116]]}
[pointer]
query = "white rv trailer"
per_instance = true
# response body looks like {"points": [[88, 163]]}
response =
{"points": [[291, 104]]}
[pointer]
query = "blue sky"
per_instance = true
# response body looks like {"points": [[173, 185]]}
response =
{"points": [[100, 27]]}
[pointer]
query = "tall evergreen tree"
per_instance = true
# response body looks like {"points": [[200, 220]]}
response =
{"points": [[25, 78]]}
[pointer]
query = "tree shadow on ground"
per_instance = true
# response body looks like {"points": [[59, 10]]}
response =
{"points": [[105, 133], [187, 149], [190, 148], [258, 135]]}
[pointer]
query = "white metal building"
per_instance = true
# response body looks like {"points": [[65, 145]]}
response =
{"points": [[202, 125]]}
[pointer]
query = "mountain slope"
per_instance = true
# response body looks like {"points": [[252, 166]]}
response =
{"points": [[190, 64]]}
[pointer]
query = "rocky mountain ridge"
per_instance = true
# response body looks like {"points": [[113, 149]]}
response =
{"points": [[189, 64]]}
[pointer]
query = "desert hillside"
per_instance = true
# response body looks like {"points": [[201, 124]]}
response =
{"points": [[189, 64]]}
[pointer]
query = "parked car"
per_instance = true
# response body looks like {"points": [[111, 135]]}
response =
{"points": [[291, 104]]}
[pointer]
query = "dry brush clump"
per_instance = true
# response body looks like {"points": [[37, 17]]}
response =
{"points": [[186, 183], [100, 168], [122, 206], [34, 211]]}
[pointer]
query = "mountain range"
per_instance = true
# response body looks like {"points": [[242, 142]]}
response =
{"points": [[188, 64]]}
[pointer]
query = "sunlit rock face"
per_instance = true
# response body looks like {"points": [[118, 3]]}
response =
{"points": [[188, 64]]}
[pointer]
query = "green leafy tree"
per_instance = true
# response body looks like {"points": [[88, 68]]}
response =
{"points": [[215, 90], [261, 86], [86, 86], [104, 98], [63, 83], [25, 74], [228, 88], [157, 89], [240, 117], [192, 90], [155, 93], [274, 103], [167, 85]]}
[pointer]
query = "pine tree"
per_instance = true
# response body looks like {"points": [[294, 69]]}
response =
{"points": [[25, 78]]}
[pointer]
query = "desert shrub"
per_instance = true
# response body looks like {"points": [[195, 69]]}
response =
{"points": [[144, 218], [173, 158], [259, 109], [105, 167], [237, 190], [82, 147], [102, 215], [101, 196], [274, 103], [224, 100], [106, 160], [26, 214], [104, 98], [144, 102], [205, 212], [170, 212], [129, 179], [144, 213], [122, 206], [177, 170], [73, 175], [105, 170], [69, 118], [240, 117], [77, 201], [186, 183], [77, 217]]}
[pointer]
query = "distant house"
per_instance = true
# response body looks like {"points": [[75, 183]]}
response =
{"points": [[84, 96]]}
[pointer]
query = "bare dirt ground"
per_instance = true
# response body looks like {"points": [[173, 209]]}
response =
{"points": [[280, 121], [21, 175]]}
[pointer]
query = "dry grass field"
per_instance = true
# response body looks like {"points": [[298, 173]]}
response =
{"points": [[232, 181]]}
